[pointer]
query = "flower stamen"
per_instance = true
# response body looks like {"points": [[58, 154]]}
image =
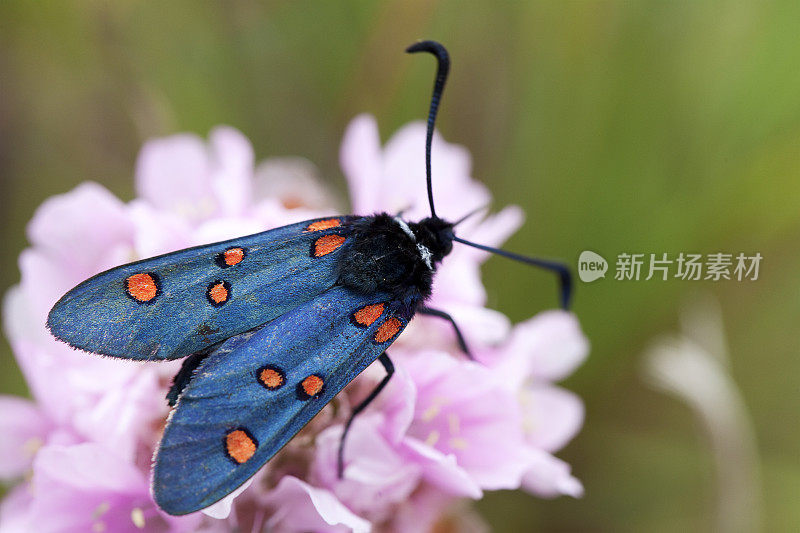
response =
{"points": [[137, 517]]}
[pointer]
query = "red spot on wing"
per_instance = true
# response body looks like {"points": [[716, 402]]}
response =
{"points": [[240, 446], [369, 314], [218, 292], [327, 244], [312, 385], [271, 378], [233, 256], [141, 287], [320, 225], [388, 330]]}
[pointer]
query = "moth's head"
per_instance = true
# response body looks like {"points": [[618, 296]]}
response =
{"points": [[436, 235]]}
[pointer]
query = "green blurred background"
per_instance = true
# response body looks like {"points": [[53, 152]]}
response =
{"points": [[619, 126]]}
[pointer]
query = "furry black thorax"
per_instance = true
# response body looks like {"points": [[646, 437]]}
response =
{"points": [[382, 257]]}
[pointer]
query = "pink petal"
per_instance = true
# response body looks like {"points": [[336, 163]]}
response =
{"points": [[222, 509], [35, 363], [463, 412], [397, 404], [360, 157], [16, 318], [491, 448], [23, 430], [375, 475], [271, 213], [84, 487], [547, 347], [220, 229], [552, 416], [550, 477], [174, 174], [67, 228], [458, 281], [442, 470], [73, 485], [44, 281], [423, 511], [15, 515], [301, 507], [158, 231], [232, 177], [121, 416], [88, 466], [294, 181]]}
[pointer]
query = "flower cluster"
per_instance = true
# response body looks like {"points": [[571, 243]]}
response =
{"points": [[445, 428]]}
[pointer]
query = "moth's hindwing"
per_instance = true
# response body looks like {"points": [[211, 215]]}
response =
{"points": [[176, 304], [257, 390]]}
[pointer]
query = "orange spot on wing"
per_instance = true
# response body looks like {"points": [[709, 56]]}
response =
{"points": [[320, 225], [387, 330], [312, 385], [369, 314], [327, 244], [271, 378], [141, 287], [233, 256], [218, 293], [240, 445]]}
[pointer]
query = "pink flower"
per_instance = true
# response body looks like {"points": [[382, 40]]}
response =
{"points": [[539, 351], [87, 488], [461, 412], [297, 506], [444, 430], [25, 428], [378, 476]]}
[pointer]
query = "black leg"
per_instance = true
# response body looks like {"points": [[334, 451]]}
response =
{"points": [[459, 337], [387, 364]]}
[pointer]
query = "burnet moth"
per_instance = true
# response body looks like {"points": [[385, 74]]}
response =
{"points": [[272, 326]]}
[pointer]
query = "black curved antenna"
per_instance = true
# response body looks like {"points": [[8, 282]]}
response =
{"points": [[443, 60]]}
